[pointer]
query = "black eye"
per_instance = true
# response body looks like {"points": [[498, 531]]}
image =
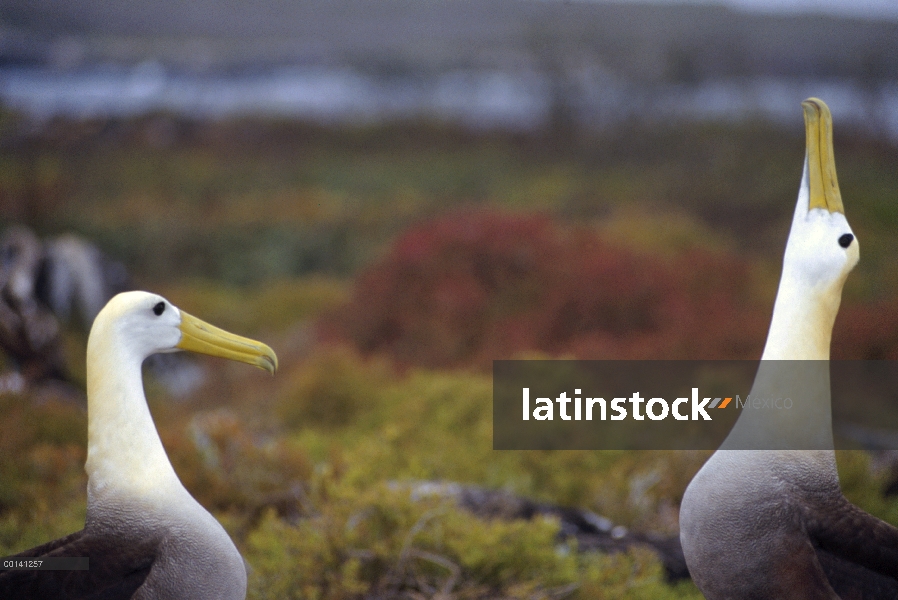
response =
{"points": [[159, 308], [845, 240]]}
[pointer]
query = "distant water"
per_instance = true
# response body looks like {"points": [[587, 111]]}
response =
{"points": [[491, 99]]}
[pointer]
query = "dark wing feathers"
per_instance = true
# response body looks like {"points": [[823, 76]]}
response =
{"points": [[858, 552], [45, 549], [116, 570], [854, 582]]}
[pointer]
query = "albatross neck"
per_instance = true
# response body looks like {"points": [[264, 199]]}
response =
{"points": [[124, 452], [794, 365], [802, 323]]}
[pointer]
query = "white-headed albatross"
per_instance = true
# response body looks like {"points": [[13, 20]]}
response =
{"points": [[145, 535], [774, 524]]}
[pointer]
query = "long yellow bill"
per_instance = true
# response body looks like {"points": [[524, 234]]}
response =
{"points": [[199, 336], [824, 187]]}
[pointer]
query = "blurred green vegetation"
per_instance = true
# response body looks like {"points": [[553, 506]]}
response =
{"points": [[324, 504], [268, 306], [259, 227], [382, 542], [244, 201]]}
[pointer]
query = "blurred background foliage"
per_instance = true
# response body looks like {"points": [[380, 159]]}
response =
{"points": [[388, 267], [388, 262]]}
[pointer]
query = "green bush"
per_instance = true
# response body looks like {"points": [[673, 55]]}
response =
{"points": [[382, 542]]}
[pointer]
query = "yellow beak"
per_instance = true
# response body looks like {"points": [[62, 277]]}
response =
{"points": [[824, 187], [199, 336]]}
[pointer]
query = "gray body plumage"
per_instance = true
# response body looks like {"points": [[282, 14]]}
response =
{"points": [[140, 552], [193, 556], [742, 523]]}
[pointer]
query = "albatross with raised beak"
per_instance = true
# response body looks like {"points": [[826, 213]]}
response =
{"points": [[771, 522], [145, 535]]}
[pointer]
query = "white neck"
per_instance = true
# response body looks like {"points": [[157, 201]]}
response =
{"points": [[124, 452], [795, 365], [802, 323]]}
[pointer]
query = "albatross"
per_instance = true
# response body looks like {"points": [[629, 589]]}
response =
{"points": [[145, 536], [772, 522]]}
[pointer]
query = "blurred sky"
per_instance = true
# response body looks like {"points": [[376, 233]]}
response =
{"points": [[859, 8], [880, 9], [485, 60]]}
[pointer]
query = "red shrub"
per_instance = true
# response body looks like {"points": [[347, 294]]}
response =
{"points": [[867, 331], [470, 288]]}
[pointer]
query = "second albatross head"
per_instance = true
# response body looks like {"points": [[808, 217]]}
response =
{"points": [[820, 252], [822, 248], [151, 324]]}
